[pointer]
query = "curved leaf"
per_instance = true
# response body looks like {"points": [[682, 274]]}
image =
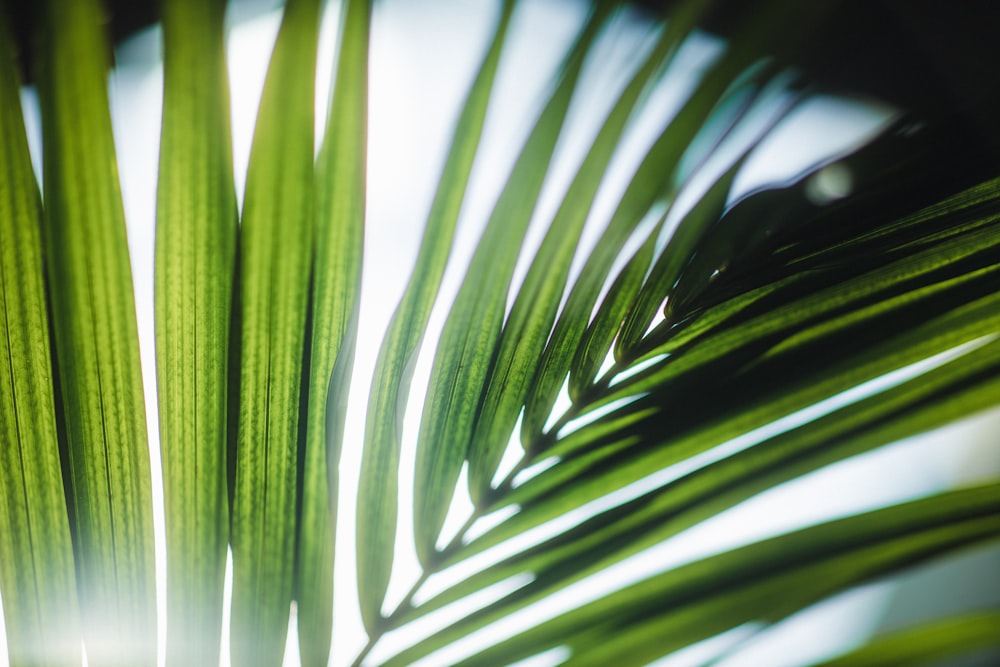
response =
{"points": [[37, 579], [465, 350], [96, 340], [764, 582], [378, 486], [959, 388], [653, 181], [636, 290], [594, 458], [534, 310], [895, 286]]}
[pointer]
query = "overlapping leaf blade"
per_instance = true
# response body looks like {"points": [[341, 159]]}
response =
{"points": [[195, 265], [534, 310], [97, 349], [465, 350], [779, 230], [620, 447], [340, 217], [378, 491], [653, 181], [635, 294], [625, 445], [961, 387], [895, 285], [37, 579], [681, 606]]}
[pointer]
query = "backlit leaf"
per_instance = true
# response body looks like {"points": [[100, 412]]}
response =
{"points": [[96, 341], [275, 246], [195, 265], [37, 579]]}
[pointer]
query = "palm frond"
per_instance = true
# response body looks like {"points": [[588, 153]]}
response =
{"points": [[276, 241], [378, 491], [336, 281], [96, 340], [37, 575], [711, 345], [195, 268]]}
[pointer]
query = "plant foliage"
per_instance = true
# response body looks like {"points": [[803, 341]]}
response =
{"points": [[691, 325]]}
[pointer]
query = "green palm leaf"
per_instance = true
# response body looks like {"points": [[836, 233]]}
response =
{"points": [[958, 388], [195, 266], [276, 241], [96, 341], [535, 307], [378, 492], [37, 579], [712, 346], [465, 350], [340, 213], [681, 606]]}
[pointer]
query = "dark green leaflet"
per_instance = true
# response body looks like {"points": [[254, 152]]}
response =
{"points": [[670, 610], [534, 310], [961, 387]]}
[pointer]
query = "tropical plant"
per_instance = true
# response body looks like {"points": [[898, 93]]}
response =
{"points": [[691, 341]]}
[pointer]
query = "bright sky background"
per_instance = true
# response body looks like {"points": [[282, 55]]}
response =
{"points": [[423, 56]]}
